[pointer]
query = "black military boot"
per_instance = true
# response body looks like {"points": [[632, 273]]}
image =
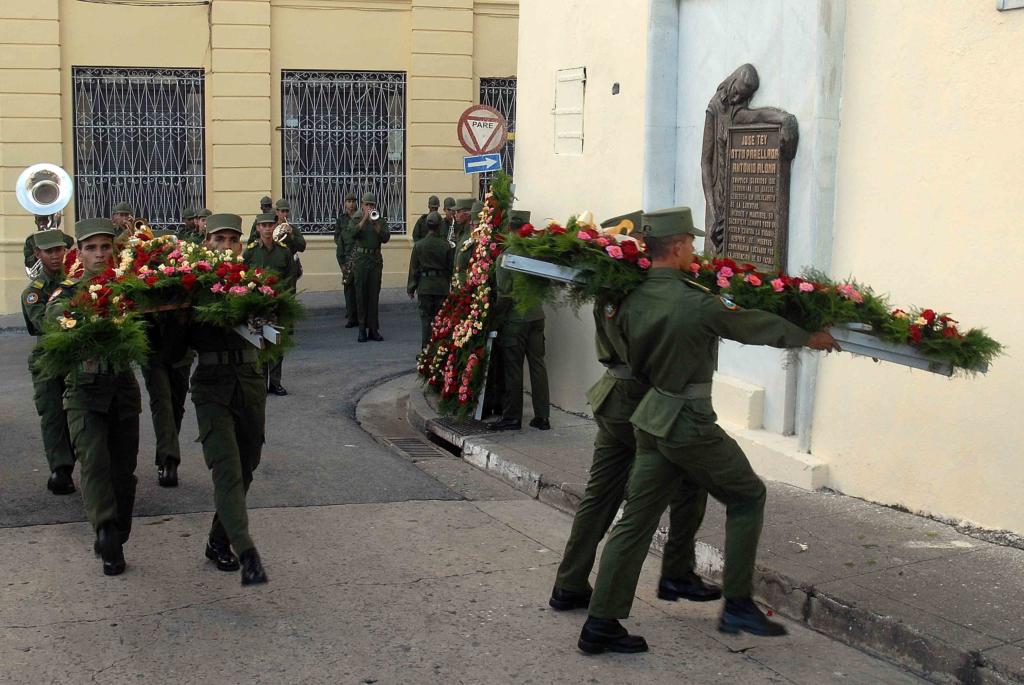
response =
{"points": [[743, 615], [540, 424], [506, 425], [362, 335], [108, 545], [60, 482], [351, 324], [219, 552], [566, 600], [167, 475], [607, 635], [690, 587], [375, 335], [252, 567]]}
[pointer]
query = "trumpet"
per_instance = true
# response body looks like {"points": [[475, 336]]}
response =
{"points": [[374, 215], [282, 230], [44, 190]]}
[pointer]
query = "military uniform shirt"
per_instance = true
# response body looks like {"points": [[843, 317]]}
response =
{"points": [[430, 266], [278, 258], [34, 299]]}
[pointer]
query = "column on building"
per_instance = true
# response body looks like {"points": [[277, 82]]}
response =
{"points": [[239, 97], [440, 89], [30, 125]]}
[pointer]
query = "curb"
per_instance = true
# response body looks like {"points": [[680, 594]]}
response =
{"points": [[883, 636]]}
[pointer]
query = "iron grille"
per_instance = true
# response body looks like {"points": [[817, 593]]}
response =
{"points": [[342, 131], [139, 138], [500, 93]]}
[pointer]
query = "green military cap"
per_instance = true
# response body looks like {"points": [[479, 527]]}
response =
{"points": [[666, 223], [434, 219], [465, 203], [223, 222], [53, 237], [266, 201], [369, 198], [449, 203], [433, 201], [351, 196], [477, 207], [520, 216], [86, 228], [265, 218], [188, 213], [282, 204], [122, 208], [203, 213], [635, 220]]}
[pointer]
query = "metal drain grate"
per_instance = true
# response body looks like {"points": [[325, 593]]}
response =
{"points": [[463, 428], [416, 448]]}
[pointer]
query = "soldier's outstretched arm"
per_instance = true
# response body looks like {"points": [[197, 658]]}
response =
{"points": [[750, 326]]}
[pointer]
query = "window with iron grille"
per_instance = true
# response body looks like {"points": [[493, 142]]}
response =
{"points": [[139, 138], [341, 132], [500, 93]]}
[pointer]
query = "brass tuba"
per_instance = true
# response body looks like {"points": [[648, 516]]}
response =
{"points": [[44, 190]]}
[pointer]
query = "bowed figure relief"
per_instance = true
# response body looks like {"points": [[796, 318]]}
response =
{"points": [[729, 107]]}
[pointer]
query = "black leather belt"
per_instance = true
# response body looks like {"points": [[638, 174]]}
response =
{"points": [[433, 272], [229, 357], [368, 250]]}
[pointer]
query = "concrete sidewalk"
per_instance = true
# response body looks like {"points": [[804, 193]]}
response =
{"points": [[944, 604]]}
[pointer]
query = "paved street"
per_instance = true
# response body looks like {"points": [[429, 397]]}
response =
{"points": [[381, 569]]}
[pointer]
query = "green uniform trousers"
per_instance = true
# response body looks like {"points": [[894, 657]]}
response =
{"points": [[231, 425], [103, 419], [716, 464], [48, 395], [167, 386], [524, 340], [368, 271], [614, 453], [429, 306]]}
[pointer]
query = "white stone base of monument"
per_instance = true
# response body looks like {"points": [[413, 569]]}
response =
{"points": [[777, 457]]}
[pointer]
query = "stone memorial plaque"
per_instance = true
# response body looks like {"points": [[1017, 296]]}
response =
{"points": [[757, 194]]}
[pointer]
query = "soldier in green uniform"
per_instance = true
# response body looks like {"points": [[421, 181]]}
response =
{"points": [[419, 231], [200, 223], [430, 272], [48, 393], [229, 393], [671, 327], [189, 232], [43, 222], [521, 337], [166, 374], [367, 237], [465, 244], [462, 229], [277, 256], [343, 238], [266, 207], [103, 406], [296, 241], [448, 226], [613, 399], [122, 215]]}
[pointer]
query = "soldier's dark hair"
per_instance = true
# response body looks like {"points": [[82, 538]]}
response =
{"points": [[660, 247]]}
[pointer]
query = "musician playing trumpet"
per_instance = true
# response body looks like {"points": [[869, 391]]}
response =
{"points": [[370, 232], [123, 216], [274, 250]]}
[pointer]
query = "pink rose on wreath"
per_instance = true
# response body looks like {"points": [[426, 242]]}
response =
{"points": [[753, 279], [778, 285], [217, 288], [614, 251], [723, 282], [203, 265], [267, 290], [176, 254], [239, 290], [585, 236], [695, 267], [602, 242], [644, 263], [806, 287], [725, 272]]}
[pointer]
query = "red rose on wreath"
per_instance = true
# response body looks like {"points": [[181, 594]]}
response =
{"points": [[526, 231], [151, 280], [188, 280], [630, 251], [557, 229], [915, 333], [929, 316]]}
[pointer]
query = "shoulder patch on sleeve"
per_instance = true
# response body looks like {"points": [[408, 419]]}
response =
{"points": [[728, 304], [31, 297], [610, 310]]}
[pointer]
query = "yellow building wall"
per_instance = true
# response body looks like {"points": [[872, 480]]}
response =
{"points": [[929, 210], [608, 177], [444, 46]]}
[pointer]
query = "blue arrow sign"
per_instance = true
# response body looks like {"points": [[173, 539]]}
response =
{"points": [[481, 163]]}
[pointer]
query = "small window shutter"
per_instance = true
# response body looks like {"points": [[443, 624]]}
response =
{"points": [[569, 92]]}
